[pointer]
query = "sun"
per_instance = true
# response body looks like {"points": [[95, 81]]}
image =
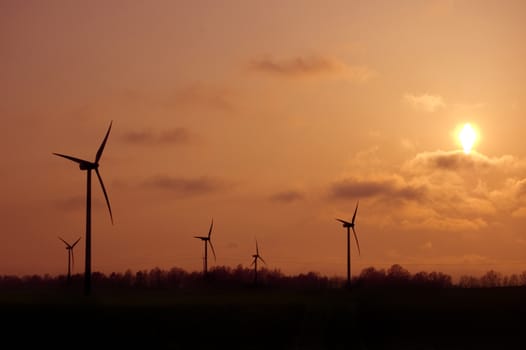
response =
{"points": [[467, 137]]}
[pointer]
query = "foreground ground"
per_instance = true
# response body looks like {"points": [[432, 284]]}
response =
{"points": [[267, 319]]}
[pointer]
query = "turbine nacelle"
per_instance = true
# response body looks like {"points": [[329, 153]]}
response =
{"points": [[345, 224], [88, 165]]}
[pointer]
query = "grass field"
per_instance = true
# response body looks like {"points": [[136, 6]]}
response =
{"points": [[452, 318]]}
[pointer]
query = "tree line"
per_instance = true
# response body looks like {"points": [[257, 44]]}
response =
{"points": [[228, 277]]}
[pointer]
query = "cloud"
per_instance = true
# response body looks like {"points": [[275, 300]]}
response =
{"points": [[458, 160], [439, 190], [392, 187], [287, 196], [519, 187], [309, 66], [187, 186], [173, 136], [204, 96], [425, 102], [447, 223]]}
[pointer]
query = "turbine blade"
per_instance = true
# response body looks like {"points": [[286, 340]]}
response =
{"points": [[253, 262], [355, 210], [66, 243], [74, 244], [76, 160], [72, 259], [211, 225], [343, 221], [211, 246], [356, 239], [260, 258], [103, 144], [105, 193], [257, 250]]}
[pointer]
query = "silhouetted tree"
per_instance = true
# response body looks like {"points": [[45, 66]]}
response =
{"points": [[155, 278], [466, 281], [175, 277], [491, 279], [370, 277], [440, 280], [512, 281], [141, 280], [397, 275]]}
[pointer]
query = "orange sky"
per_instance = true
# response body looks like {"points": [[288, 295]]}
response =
{"points": [[272, 117]]}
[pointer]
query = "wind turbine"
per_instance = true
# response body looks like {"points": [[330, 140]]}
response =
{"points": [[71, 259], [349, 226], [88, 167], [207, 241], [255, 263]]}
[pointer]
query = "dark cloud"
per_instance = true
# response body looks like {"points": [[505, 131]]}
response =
{"points": [[295, 66], [458, 160], [177, 135], [394, 189], [288, 196], [187, 186], [298, 67], [174, 136], [139, 137]]}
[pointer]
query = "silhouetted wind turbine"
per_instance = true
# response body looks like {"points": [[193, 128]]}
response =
{"points": [[71, 259], [349, 226], [89, 166], [255, 263], [207, 241]]}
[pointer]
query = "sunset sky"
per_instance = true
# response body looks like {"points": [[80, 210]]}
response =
{"points": [[273, 118]]}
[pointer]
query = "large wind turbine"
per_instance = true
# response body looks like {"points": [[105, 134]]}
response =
{"points": [[207, 241], [349, 226], [255, 263], [71, 259], [88, 167]]}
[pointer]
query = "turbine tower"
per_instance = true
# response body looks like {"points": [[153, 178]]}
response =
{"points": [[88, 167], [349, 226], [71, 259], [255, 263], [207, 241]]}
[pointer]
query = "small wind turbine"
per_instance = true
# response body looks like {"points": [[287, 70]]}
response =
{"points": [[207, 241], [71, 259], [349, 226], [89, 166], [255, 263]]}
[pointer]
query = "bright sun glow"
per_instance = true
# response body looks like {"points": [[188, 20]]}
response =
{"points": [[467, 137]]}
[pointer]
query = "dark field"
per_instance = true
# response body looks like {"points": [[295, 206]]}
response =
{"points": [[394, 318]]}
